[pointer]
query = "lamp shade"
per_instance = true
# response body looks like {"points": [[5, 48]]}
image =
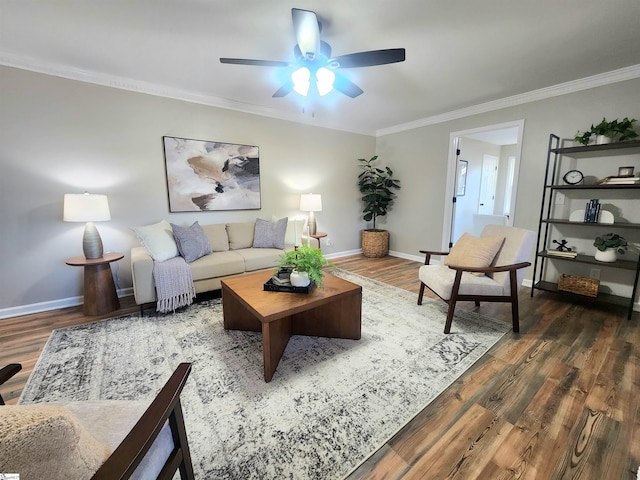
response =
{"points": [[85, 207], [310, 202]]}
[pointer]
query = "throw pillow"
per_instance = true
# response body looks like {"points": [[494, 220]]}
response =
{"points": [[158, 240], [477, 252], [270, 234], [192, 242], [47, 441]]}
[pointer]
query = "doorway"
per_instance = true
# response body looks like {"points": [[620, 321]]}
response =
{"points": [[479, 148]]}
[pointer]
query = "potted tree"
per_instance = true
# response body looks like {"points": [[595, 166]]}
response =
{"points": [[376, 185], [608, 246], [606, 132], [306, 263]]}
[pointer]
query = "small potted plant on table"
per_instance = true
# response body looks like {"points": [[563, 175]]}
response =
{"points": [[307, 264]]}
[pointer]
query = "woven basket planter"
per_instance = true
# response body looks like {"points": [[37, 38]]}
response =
{"points": [[375, 244]]}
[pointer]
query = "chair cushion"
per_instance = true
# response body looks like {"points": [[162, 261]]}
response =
{"points": [[439, 278], [192, 242], [477, 252], [158, 240], [270, 234], [47, 441]]}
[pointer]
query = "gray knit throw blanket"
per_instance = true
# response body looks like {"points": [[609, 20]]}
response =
{"points": [[174, 284]]}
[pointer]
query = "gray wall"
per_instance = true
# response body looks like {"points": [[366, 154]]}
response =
{"points": [[61, 136], [419, 157]]}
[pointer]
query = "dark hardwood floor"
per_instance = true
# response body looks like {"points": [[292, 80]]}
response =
{"points": [[561, 399]]}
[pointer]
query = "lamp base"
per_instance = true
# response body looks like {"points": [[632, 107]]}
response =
{"points": [[312, 223], [91, 242]]}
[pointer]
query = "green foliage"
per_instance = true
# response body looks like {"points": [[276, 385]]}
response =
{"points": [[611, 240], [376, 186], [621, 130], [306, 259]]}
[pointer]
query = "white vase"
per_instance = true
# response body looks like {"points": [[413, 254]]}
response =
{"points": [[299, 279], [602, 139], [609, 255]]}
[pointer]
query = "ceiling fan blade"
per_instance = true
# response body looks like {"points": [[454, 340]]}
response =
{"points": [[284, 90], [371, 58], [257, 63], [346, 86], [307, 30]]}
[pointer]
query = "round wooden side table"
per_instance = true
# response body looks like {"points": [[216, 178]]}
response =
{"points": [[318, 236], [100, 294]]}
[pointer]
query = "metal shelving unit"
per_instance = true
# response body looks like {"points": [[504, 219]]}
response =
{"points": [[555, 156]]}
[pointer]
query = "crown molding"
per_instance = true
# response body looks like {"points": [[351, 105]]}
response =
{"points": [[122, 83], [38, 66], [607, 78]]}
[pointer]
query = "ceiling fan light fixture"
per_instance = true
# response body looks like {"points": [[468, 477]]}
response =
{"points": [[300, 79], [325, 79]]}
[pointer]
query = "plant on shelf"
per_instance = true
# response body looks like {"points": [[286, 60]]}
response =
{"points": [[620, 130], [611, 240], [306, 259], [376, 184]]}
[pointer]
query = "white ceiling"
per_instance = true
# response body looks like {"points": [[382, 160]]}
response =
{"points": [[459, 53]]}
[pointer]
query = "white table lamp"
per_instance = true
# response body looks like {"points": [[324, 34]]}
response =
{"points": [[311, 203], [85, 207]]}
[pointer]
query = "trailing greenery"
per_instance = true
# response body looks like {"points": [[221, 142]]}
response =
{"points": [[376, 185], [611, 240], [620, 130], [306, 259]]}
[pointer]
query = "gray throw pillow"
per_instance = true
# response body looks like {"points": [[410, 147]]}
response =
{"points": [[192, 242], [270, 234]]}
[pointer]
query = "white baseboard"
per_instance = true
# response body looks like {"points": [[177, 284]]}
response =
{"points": [[51, 305]]}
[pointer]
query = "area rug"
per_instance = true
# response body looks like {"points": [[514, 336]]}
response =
{"points": [[331, 402]]}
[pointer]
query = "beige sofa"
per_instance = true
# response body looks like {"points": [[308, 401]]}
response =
{"points": [[233, 254]]}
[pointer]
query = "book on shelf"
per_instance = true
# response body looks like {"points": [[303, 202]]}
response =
{"points": [[558, 253], [280, 280], [619, 180], [592, 211]]}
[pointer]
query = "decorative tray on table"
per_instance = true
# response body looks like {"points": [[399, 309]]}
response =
{"points": [[279, 282]]}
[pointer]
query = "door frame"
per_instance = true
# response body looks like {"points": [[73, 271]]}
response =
{"points": [[454, 141]]}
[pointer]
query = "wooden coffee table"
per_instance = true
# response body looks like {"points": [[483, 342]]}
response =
{"points": [[334, 310]]}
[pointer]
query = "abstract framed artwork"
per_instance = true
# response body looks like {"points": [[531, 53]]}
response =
{"points": [[205, 175], [461, 181]]}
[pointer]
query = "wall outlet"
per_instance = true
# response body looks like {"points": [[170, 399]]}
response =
{"points": [[328, 242], [595, 273], [560, 198]]}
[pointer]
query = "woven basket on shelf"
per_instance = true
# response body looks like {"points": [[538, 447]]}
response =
{"points": [[579, 285], [375, 244]]}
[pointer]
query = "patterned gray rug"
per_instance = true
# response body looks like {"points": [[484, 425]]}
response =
{"points": [[331, 402]]}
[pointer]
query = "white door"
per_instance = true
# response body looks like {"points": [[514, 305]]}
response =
{"points": [[488, 183]]}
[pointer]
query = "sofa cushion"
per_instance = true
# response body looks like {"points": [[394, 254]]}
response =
{"points": [[47, 441], [191, 241], [218, 238], [259, 258], [240, 235], [270, 234], [158, 240], [217, 264]]}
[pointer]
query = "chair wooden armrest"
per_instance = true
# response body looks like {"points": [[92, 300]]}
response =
{"points": [[6, 373], [500, 268], [166, 406], [429, 253]]}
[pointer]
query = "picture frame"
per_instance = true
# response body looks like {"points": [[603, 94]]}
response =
{"points": [[461, 178], [205, 175]]}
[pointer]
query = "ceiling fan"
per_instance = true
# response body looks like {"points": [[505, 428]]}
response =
{"points": [[314, 69]]}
